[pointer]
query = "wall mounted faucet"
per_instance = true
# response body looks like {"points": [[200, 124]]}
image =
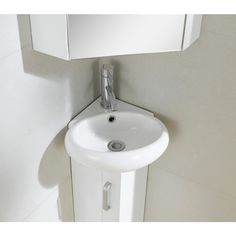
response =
{"points": [[108, 100]]}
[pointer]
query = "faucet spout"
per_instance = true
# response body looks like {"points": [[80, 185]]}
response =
{"points": [[108, 100]]}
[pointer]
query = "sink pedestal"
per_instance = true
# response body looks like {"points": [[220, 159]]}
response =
{"points": [[127, 194]]}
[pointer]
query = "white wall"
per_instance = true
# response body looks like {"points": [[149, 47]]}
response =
{"points": [[194, 94], [38, 96]]}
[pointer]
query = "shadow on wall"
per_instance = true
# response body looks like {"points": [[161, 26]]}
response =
{"points": [[54, 170]]}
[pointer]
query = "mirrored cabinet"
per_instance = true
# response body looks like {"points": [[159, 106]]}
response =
{"points": [[86, 36]]}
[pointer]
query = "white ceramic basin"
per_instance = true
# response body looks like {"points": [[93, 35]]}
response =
{"points": [[145, 139]]}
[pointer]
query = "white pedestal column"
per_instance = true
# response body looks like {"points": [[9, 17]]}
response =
{"points": [[126, 196]]}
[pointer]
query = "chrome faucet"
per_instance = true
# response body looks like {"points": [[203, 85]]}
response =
{"points": [[108, 100]]}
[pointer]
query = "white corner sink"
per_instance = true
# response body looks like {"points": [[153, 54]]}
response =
{"points": [[117, 141]]}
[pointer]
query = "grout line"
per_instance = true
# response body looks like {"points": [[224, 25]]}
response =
{"points": [[4, 57], [40, 203]]}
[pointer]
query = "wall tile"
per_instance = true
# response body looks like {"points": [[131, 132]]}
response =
{"points": [[220, 24], [172, 198], [9, 39]]}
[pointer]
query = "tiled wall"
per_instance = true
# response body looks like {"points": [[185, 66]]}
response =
{"points": [[194, 94], [38, 96]]}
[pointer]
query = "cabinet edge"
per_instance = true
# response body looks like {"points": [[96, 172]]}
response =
{"points": [[191, 30]]}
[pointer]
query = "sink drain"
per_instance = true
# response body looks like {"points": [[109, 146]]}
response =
{"points": [[116, 145]]}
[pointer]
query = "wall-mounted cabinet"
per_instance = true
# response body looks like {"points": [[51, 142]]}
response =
{"points": [[85, 36]]}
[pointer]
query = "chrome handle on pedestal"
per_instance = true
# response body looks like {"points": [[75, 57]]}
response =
{"points": [[106, 196]]}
